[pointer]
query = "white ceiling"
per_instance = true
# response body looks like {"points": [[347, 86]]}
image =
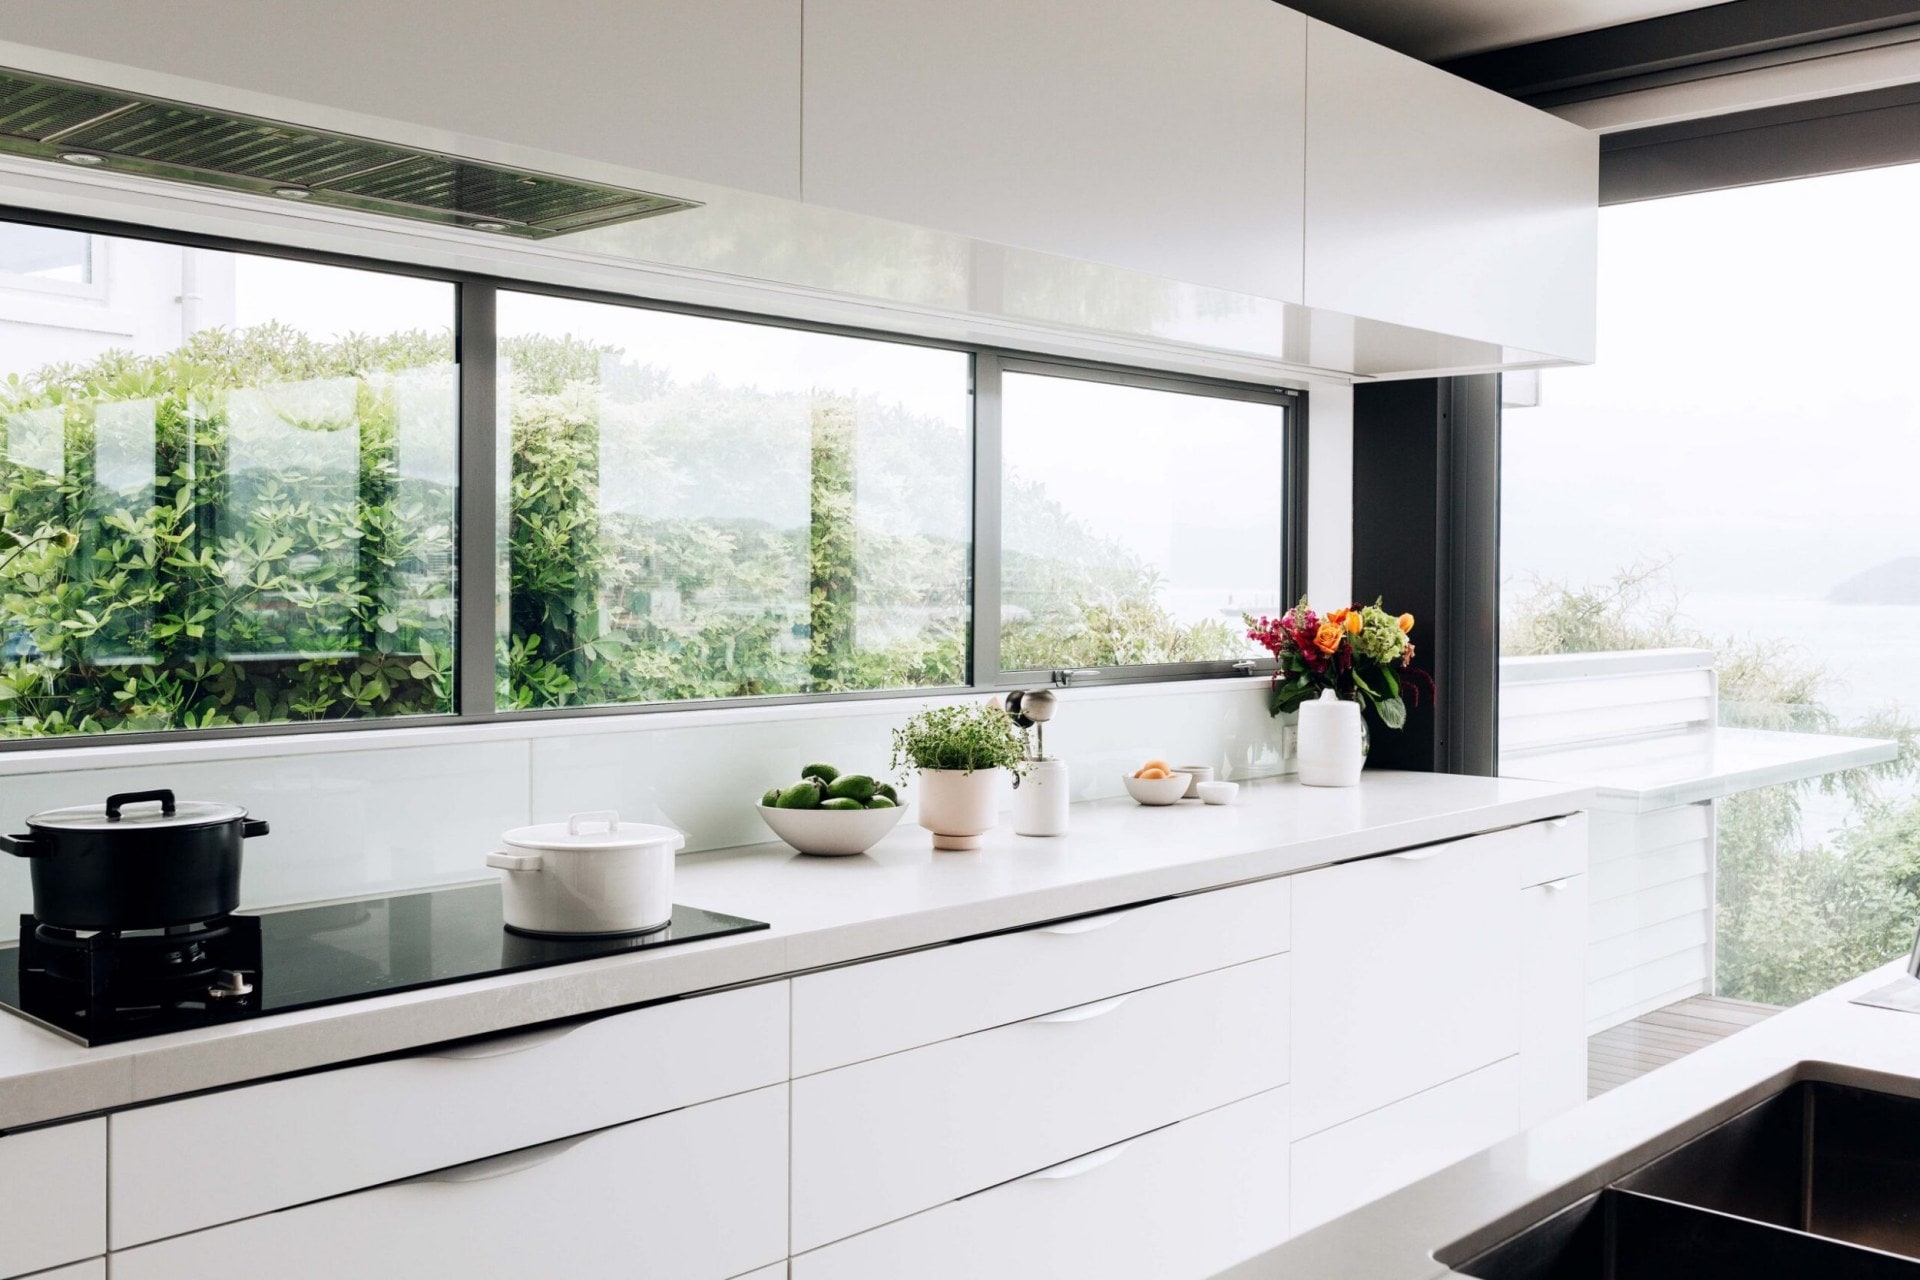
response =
{"points": [[1435, 30]]}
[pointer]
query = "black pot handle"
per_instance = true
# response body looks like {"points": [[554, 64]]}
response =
{"points": [[254, 827], [22, 846], [114, 802]]}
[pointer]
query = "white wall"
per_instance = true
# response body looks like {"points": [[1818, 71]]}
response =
{"points": [[363, 812]]}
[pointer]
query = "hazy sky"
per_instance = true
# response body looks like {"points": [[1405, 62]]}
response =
{"points": [[1754, 413]]}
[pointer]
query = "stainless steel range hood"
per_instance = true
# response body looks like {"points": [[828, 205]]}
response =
{"points": [[77, 124]]}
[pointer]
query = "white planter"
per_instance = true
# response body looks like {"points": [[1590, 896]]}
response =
{"points": [[1331, 746], [959, 807], [1040, 800], [592, 874]]}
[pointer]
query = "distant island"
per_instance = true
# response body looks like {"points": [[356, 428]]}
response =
{"points": [[1895, 582]]}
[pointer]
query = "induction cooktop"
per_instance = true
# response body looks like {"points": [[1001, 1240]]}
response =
{"points": [[105, 988]]}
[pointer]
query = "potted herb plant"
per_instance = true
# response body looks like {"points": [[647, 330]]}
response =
{"points": [[961, 753], [1333, 667]]}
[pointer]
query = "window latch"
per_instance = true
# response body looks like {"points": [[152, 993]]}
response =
{"points": [[1065, 677], [1245, 666]]}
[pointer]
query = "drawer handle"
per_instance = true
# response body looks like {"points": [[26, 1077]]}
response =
{"points": [[1080, 1165], [510, 1163], [1085, 924], [1554, 824], [504, 1046], [1086, 1012], [1556, 886], [1419, 855]]}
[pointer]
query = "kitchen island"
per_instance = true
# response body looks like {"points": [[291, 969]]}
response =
{"points": [[1467, 1209]]}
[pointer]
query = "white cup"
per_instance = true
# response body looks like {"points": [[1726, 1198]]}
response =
{"points": [[1196, 775]]}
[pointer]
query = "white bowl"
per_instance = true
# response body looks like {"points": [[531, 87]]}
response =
{"points": [[1167, 790], [1218, 792], [834, 833]]}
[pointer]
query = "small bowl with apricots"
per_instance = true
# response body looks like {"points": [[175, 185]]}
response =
{"points": [[1153, 783]]}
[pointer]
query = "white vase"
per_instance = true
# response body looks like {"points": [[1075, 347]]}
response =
{"points": [[1332, 742], [1040, 800], [959, 806]]}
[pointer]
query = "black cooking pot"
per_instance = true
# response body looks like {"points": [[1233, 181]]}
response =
{"points": [[114, 867]]}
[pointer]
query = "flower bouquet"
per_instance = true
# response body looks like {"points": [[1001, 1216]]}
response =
{"points": [[1364, 654]]}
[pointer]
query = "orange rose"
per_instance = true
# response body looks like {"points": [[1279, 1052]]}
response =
{"points": [[1355, 624], [1406, 622], [1327, 638]]}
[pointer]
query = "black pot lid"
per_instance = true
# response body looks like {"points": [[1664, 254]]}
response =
{"points": [[148, 815]]}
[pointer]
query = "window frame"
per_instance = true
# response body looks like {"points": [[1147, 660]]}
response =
{"points": [[475, 696]]}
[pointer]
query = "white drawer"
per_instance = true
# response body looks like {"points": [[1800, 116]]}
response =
{"points": [[1549, 850], [1406, 974], [895, 1135], [1553, 999], [1345, 1167], [268, 1146], [866, 1010], [1182, 1202], [698, 1194], [53, 1196]]}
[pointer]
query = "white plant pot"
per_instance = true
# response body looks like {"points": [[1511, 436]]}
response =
{"points": [[959, 807], [1332, 744], [1040, 800]]}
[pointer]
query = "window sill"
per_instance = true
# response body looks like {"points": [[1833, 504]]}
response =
{"points": [[100, 754]]}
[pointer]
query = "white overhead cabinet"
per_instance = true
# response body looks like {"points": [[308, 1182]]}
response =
{"points": [[707, 91], [1165, 138], [1438, 205]]}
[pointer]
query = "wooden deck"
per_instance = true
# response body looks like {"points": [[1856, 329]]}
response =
{"points": [[1632, 1049]]}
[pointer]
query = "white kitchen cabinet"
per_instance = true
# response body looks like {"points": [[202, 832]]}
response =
{"points": [[1342, 1168], [53, 1196], [697, 1194], [861, 1011], [1180, 1203], [707, 91], [1406, 975], [1165, 138], [268, 1146], [889, 1137], [1434, 203], [1553, 998]]}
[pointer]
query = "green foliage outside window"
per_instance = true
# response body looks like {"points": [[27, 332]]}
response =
{"points": [[257, 528]]}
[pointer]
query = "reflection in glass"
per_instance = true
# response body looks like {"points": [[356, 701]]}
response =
{"points": [[244, 514], [1138, 524], [701, 508]]}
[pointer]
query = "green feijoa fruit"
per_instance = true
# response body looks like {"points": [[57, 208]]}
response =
{"points": [[885, 791], [841, 802], [880, 802], [825, 772], [814, 779], [772, 798], [801, 795], [852, 786]]}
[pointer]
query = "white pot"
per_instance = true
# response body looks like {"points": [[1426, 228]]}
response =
{"points": [[959, 806], [1332, 748], [1040, 800], [592, 874]]}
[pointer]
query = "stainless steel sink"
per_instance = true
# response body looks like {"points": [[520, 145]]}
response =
{"points": [[1820, 1181]]}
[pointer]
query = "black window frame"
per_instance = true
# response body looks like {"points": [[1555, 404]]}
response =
{"points": [[475, 695]]}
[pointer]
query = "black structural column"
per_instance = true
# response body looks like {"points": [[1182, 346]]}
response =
{"points": [[1426, 537]]}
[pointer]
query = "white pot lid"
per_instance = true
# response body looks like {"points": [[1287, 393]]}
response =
{"points": [[600, 830]]}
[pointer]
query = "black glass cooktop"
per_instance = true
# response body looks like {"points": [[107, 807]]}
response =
{"points": [[101, 990]]}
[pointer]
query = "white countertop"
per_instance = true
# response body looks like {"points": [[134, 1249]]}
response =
{"points": [[822, 911], [1510, 1186], [1704, 763]]}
